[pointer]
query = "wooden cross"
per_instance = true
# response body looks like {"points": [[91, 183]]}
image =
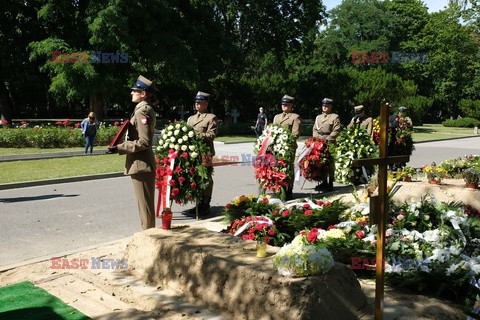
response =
{"points": [[381, 206], [182, 113], [235, 115]]}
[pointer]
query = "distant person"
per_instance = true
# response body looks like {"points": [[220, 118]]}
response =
{"points": [[402, 111], [140, 162], [89, 127], [360, 119], [261, 123]]}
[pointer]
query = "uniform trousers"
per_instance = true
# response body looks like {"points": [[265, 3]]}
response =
{"points": [[144, 188]]}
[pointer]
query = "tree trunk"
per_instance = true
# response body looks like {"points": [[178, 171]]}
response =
{"points": [[96, 105], [6, 103]]}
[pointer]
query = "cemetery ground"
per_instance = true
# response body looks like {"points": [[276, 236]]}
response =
{"points": [[105, 294]]}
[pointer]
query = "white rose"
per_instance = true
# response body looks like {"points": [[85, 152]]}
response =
{"points": [[185, 138], [172, 139], [194, 155], [160, 142], [165, 145], [180, 141], [191, 148], [176, 132], [159, 148], [170, 128], [171, 146], [169, 133], [177, 147], [190, 134], [184, 129], [177, 126], [165, 136], [184, 148]]}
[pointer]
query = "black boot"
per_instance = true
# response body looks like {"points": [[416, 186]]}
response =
{"points": [[204, 210], [288, 193], [321, 186], [193, 211]]}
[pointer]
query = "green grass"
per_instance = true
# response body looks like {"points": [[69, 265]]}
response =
{"points": [[10, 151], [32, 170], [236, 138], [429, 132]]}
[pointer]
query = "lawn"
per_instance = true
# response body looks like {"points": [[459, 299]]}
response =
{"points": [[429, 132], [32, 170]]}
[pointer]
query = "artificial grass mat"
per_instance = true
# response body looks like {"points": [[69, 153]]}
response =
{"points": [[25, 301]]}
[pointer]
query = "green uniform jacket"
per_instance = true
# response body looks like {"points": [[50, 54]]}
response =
{"points": [[205, 125], [289, 120], [366, 123], [327, 126], [139, 141]]}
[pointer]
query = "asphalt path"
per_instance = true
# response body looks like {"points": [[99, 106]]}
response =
{"points": [[41, 222]]}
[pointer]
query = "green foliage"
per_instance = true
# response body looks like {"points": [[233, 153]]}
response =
{"points": [[470, 108], [462, 122], [52, 137]]}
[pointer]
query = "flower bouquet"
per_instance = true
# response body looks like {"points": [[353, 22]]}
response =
{"points": [[434, 174], [303, 257], [254, 228], [352, 143], [314, 162], [471, 177], [273, 166], [181, 175], [403, 136]]}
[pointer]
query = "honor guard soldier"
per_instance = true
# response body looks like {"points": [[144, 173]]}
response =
{"points": [[205, 125], [327, 127], [360, 119], [140, 161], [291, 121]]}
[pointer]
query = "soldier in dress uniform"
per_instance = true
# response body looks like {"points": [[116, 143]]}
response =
{"points": [[360, 119], [327, 127], [291, 121], [205, 125], [140, 161]]}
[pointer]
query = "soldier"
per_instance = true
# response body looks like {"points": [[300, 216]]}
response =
{"points": [[140, 161], [327, 127], [205, 125], [291, 121], [362, 120]]}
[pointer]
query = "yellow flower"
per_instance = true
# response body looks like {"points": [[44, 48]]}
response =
{"points": [[335, 234]]}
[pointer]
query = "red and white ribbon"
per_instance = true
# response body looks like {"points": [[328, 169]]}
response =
{"points": [[164, 188], [298, 163]]}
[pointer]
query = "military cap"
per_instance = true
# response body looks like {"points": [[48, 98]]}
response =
{"points": [[287, 99], [402, 109], [202, 96], [358, 109], [144, 84], [327, 101]]}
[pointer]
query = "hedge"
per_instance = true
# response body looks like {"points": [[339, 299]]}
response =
{"points": [[462, 122]]}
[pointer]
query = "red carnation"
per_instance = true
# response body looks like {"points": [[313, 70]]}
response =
{"points": [[192, 170], [178, 169], [172, 182], [308, 212], [265, 200], [181, 179], [306, 206], [360, 234], [193, 185], [285, 213], [185, 155]]}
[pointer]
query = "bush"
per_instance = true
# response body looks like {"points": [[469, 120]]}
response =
{"points": [[462, 122], [52, 137]]}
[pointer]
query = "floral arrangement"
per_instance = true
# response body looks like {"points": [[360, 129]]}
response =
{"points": [[247, 206], [471, 176], [255, 228], [314, 165], [274, 163], [407, 173], [376, 131], [179, 157], [434, 173], [455, 167], [303, 257], [403, 136], [352, 143]]}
